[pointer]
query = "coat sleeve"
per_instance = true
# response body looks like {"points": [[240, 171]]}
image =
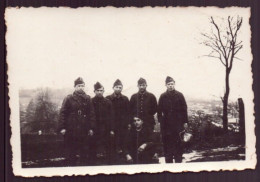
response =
{"points": [[160, 111], [149, 139], [183, 109], [128, 117], [92, 116], [153, 108], [127, 143], [64, 111], [132, 106], [111, 116]]}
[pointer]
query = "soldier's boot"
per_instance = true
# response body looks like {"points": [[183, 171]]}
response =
{"points": [[169, 159], [92, 157], [178, 159], [70, 161], [168, 156]]}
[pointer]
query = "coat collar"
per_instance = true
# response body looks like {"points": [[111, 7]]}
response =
{"points": [[79, 97], [144, 94], [98, 98], [171, 93], [116, 96]]}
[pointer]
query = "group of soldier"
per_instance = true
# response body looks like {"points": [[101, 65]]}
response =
{"points": [[105, 127]]}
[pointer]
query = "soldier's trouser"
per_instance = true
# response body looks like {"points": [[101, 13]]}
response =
{"points": [[106, 144], [145, 157], [149, 127], [78, 146], [120, 137], [172, 147]]}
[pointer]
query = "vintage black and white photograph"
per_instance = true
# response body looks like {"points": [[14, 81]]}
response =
{"points": [[130, 90]]}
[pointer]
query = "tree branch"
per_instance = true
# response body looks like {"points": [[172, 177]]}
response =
{"points": [[240, 47], [219, 38], [224, 46], [238, 58], [233, 44], [219, 58]]}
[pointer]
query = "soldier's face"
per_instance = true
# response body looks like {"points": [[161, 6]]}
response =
{"points": [[100, 92], [138, 122], [80, 87], [142, 87], [170, 86], [118, 89]]}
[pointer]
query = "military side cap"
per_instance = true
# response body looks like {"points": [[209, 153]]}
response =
{"points": [[79, 80], [117, 82], [141, 81], [169, 79], [97, 86]]}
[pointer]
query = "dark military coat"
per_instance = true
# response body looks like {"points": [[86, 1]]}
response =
{"points": [[104, 115], [120, 106], [77, 115], [134, 139], [145, 106], [172, 111]]}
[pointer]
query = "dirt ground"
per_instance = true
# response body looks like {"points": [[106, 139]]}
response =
{"points": [[48, 151]]}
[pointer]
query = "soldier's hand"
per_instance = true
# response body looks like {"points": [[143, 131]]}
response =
{"points": [[129, 127], [185, 125], [90, 133], [155, 156], [129, 158], [141, 148], [112, 133], [63, 131]]}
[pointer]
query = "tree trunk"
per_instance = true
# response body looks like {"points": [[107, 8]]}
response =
{"points": [[224, 117], [225, 102], [241, 116]]}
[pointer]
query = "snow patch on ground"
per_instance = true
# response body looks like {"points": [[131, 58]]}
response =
{"points": [[213, 153], [187, 157]]}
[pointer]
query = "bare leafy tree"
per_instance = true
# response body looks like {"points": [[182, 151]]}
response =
{"points": [[224, 44], [41, 113], [46, 111], [30, 112]]}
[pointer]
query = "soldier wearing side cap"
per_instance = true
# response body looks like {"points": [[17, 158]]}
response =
{"points": [[173, 117], [120, 105], [76, 123], [144, 104], [104, 124]]}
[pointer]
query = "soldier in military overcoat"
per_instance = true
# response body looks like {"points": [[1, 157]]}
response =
{"points": [[120, 105], [144, 104], [104, 132], [173, 118], [77, 122]]}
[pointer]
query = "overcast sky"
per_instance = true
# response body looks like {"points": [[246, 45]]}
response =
{"points": [[51, 47]]}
